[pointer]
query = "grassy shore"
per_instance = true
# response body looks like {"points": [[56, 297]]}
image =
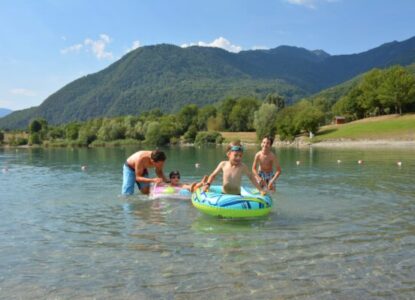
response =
{"points": [[245, 137], [391, 127]]}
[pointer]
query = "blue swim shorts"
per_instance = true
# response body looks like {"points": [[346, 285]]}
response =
{"points": [[128, 180], [266, 176]]}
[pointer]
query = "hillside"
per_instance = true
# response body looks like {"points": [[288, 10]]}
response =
{"points": [[390, 127], [327, 97], [168, 77]]}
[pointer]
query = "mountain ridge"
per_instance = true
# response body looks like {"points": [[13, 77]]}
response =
{"points": [[4, 111], [167, 77]]}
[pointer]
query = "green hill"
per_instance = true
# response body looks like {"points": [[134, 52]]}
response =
{"points": [[168, 77], [390, 127], [327, 97]]}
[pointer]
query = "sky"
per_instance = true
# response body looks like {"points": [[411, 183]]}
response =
{"points": [[46, 44]]}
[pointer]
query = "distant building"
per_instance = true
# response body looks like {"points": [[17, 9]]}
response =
{"points": [[339, 120]]}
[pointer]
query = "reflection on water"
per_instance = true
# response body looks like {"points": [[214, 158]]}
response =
{"points": [[337, 230]]}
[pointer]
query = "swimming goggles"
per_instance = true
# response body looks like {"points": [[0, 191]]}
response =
{"points": [[237, 148]]}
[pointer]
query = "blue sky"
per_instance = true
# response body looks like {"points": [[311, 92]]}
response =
{"points": [[45, 44]]}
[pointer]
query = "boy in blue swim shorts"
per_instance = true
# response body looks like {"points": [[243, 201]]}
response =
{"points": [[135, 171], [266, 160]]}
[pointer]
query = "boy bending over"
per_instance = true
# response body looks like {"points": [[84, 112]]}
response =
{"points": [[135, 170]]}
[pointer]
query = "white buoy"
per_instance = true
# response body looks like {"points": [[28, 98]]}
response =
{"points": [[298, 162], [5, 170], [197, 165], [399, 163], [360, 161], [339, 161], [83, 168]]}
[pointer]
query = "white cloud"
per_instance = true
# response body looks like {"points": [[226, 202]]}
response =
{"points": [[23, 92], [135, 45], [74, 48], [309, 3], [97, 47], [220, 42]]}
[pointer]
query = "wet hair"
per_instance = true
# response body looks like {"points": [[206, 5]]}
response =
{"points": [[174, 173], [269, 138], [234, 146], [158, 155]]}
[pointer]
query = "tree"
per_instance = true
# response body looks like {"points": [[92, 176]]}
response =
{"points": [[308, 117], [38, 129], [264, 120], [398, 88], [208, 137], [275, 99], [349, 106], [370, 93], [241, 117], [56, 133], [190, 135], [153, 133], [203, 116], [160, 133], [187, 116], [1, 137], [286, 127], [34, 138], [225, 109], [72, 131], [35, 126]]}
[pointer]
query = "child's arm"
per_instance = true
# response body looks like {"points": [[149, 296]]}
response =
{"points": [[277, 174], [251, 177], [213, 175], [254, 168]]}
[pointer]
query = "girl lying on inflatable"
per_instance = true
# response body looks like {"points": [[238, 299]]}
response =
{"points": [[175, 189]]}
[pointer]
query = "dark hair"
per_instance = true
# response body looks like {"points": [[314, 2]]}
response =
{"points": [[174, 173], [269, 138], [158, 155]]}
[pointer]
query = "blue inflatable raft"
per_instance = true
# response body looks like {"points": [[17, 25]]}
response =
{"points": [[249, 204]]}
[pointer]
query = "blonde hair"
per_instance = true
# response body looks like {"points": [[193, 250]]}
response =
{"points": [[232, 144]]}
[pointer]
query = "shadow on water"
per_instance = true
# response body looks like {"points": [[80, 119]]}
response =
{"points": [[210, 224]]}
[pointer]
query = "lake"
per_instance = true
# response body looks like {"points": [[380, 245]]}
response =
{"points": [[337, 230]]}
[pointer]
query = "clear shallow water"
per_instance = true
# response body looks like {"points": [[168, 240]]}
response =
{"points": [[343, 231]]}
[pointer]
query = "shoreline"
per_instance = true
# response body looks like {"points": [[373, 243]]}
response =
{"points": [[348, 144], [297, 143]]}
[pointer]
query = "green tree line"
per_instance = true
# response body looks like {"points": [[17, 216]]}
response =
{"points": [[378, 92]]}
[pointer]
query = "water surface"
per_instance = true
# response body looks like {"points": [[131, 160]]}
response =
{"points": [[344, 231]]}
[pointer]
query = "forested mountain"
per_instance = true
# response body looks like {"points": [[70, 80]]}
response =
{"points": [[168, 77]]}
